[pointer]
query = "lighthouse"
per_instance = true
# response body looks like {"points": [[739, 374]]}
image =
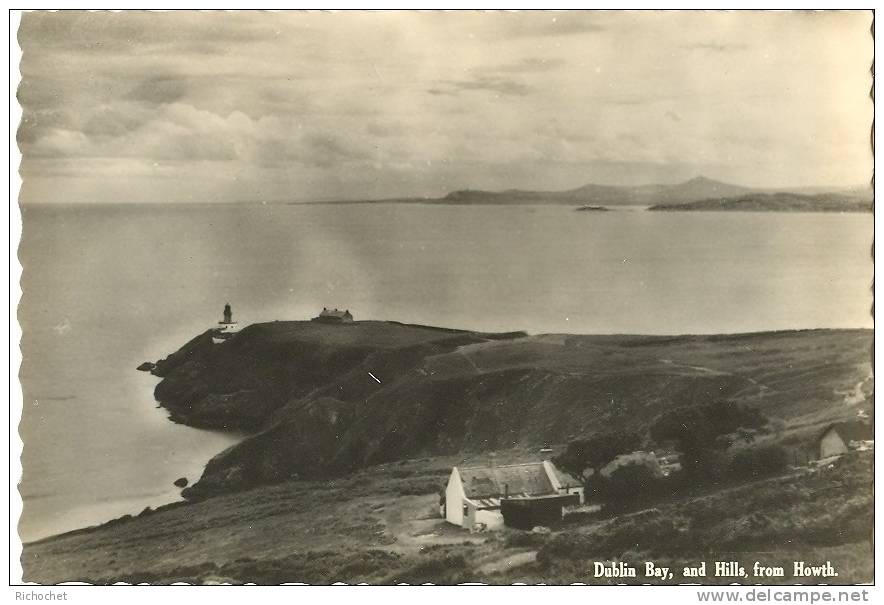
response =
{"points": [[226, 327]]}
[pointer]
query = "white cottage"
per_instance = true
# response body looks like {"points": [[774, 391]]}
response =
{"points": [[473, 495], [839, 438]]}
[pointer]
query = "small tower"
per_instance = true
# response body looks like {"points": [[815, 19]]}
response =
{"points": [[227, 326]]}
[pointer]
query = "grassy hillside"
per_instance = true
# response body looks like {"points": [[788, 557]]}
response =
{"points": [[332, 399], [381, 525], [811, 516]]}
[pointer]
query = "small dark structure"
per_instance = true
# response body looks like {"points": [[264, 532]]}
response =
{"points": [[334, 316], [528, 513]]}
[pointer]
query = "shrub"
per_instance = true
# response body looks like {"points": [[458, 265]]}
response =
{"points": [[519, 539], [654, 532], [705, 466], [627, 484], [370, 563], [753, 462], [701, 432], [597, 451], [566, 546], [446, 569], [418, 486]]}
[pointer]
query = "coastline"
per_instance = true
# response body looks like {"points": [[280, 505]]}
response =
{"points": [[160, 452]]}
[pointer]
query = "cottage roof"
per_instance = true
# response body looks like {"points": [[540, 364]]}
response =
{"points": [[334, 313], [566, 479], [851, 430], [528, 479]]}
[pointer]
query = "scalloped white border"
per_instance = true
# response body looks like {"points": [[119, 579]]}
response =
{"points": [[662, 595]]}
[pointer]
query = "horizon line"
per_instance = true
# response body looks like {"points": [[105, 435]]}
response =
{"points": [[430, 198]]}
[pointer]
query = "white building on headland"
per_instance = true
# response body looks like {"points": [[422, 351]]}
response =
{"points": [[226, 327], [334, 316]]}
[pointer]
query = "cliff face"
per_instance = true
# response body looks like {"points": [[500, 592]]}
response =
{"points": [[329, 399]]}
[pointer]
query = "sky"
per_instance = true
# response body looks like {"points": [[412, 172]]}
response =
{"points": [[254, 106]]}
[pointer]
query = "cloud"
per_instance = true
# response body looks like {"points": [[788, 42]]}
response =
{"points": [[499, 78], [495, 84], [529, 65], [115, 119], [716, 47], [626, 101], [386, 128], [178, 132], [564, 23], [159, 89], [440, 92], [58, 142], [141, 31], [380, 101]]}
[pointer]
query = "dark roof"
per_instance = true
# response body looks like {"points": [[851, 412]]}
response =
{"points": [[852, 430], [566, 479], [516, 479]]}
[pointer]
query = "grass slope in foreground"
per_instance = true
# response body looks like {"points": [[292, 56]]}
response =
{"points": [[381, 525]]}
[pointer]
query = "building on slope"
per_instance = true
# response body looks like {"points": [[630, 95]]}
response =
{"points": [[516, 495], [839, 438]]}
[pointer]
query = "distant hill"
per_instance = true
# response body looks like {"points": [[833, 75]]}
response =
{"points": [[776, 202], [698, 188]]}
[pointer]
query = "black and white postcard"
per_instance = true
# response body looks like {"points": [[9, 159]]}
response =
{"points": [[410, 297]]}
